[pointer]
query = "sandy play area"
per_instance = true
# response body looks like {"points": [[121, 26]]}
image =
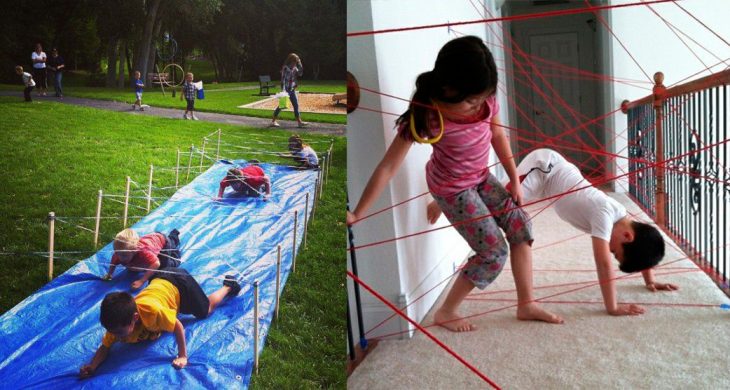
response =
{"points": [[308, 102]]}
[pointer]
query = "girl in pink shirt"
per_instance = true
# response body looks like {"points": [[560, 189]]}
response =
{"points": [[454, 109]]}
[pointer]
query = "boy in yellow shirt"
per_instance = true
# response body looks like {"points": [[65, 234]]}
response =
{"points": [[154, 310]]}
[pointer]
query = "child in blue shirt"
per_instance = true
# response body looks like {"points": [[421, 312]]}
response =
{"points": [[138, 85]]}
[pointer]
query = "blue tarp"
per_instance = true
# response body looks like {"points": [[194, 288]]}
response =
{"points": [[46, 338]]}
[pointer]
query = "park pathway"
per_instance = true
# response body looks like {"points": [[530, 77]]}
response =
{"points": [[176, 113]]}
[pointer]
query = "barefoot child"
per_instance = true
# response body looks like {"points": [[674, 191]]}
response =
{"points": [[455, 109], [250, 180], [154, 310], [544, 173], [148, 253]]}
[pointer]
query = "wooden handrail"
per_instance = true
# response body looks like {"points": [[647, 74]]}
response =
{"points": [[713, 80]]}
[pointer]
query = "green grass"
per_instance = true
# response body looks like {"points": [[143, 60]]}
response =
{"points": [[55, 157], [220, 98]]}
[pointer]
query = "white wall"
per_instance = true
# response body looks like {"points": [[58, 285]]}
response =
{"points": [[656, 48], [390, 63]]}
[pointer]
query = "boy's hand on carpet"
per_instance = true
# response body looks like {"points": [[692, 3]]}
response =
{"points": [[627, 310], [137, 284], [180, 362], [654, 287]]}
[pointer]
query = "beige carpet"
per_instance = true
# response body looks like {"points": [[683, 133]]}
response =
{"points": [[668, 347]]}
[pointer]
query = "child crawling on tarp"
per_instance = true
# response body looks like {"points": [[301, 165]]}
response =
{"points": [[154, 310], [148, 253], [250, 180]]}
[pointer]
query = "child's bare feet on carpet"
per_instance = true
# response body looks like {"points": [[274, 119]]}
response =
{"points": [[533, 312], [452, 321]]}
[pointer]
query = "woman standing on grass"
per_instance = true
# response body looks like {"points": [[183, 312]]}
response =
{"points": [[39, 69], [290, 71]]}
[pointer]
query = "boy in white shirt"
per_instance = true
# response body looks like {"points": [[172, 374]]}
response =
{"points": [[637, 246], [27, 81]]}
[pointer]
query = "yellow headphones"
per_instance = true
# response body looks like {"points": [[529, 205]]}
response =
{"points": [[429, 140]]}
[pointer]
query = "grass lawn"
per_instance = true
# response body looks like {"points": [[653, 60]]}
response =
{"points": [[221, 98], [55, 157]]}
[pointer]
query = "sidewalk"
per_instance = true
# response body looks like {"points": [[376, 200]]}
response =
{"points": [[173, 113], [681, 341]]}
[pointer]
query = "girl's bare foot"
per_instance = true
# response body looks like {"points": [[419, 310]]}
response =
{"points": [[452, 321], [533, 312]]}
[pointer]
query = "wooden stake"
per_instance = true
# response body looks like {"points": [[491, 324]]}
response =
{"points": [[278, 279], [51, 234], [177, 169], [218, 148], [294, 244], [314, 199], [306, 219], [190, 162], [256, 326], [321, 181], [126, 201], [149, 189], [202, 154], [98, 219]]}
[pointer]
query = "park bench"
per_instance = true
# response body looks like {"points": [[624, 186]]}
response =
{"points": [[264, 85], [158, 78]]}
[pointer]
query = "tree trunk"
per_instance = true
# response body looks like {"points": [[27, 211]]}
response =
{"points": [[152, 55], [122, 62], [144, 47], [129, 60], [111, 68]]}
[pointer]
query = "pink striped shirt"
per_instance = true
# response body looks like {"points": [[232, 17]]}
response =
{"points": [[459, 160]]}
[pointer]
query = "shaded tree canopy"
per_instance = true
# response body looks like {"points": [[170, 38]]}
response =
{"points": [[242, 39]]}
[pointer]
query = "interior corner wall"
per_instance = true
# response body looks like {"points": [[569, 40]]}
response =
{"points": [[366, 144], [389, 63], [657, 49]]}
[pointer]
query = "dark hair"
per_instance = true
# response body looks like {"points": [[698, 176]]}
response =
{"points": [[646, 251], [117, 310], [296, 141], [464, 67], [254, 161]]}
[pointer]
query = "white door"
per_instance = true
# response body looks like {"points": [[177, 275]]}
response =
{"points": [[554, 92]]}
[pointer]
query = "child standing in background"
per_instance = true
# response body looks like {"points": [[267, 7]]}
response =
{"points": [[455, 110], [27, 81], [189, 90], [138, 88]]}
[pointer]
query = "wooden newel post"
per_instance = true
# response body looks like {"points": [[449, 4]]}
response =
{"points": [[98, 218], [51, 234], [256, 326], [661, 195]]}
